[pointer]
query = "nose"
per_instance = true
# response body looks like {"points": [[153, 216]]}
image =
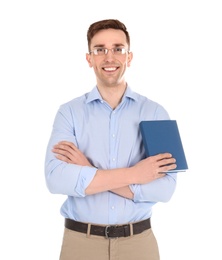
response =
{"points": [[109, 55]]}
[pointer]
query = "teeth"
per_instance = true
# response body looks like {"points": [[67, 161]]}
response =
{"points": [[110, 69]]}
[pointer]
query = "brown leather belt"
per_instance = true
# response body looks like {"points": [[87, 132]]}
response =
{"points": [[109, 231]]}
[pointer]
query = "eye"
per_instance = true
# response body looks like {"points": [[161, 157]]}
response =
{"points": [[100, 50], [118, 50]]}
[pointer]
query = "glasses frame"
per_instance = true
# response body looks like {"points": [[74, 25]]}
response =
{"points": [[106, 50]]}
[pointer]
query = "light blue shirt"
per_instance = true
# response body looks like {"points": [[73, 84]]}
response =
{"points": [[109, 139]]}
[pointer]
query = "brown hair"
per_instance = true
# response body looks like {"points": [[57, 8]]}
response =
{"points": [[106, 24]]}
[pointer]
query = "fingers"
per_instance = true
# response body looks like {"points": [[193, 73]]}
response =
{"points": [[62, 153], [66, 144], [68, 152], [162, 156], [161, 163], [65, 151], [63, 158], [166, 162]]}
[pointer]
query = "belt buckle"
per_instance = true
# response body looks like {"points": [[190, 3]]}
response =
{"points": [[107, 229]]}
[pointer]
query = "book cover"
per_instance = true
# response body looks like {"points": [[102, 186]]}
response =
{"points": [[161, 136]]}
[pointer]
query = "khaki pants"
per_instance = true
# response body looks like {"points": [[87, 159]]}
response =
{"points": [[79, 246]]}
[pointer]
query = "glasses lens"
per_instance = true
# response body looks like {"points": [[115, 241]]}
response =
{"points": [[100, 51], [119, 51]]}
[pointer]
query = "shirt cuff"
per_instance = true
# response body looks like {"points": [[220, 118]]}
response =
{"points": [[86, 175], [136, 191]]}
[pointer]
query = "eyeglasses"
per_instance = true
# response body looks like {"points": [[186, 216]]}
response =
{"points": [[104, 51]]}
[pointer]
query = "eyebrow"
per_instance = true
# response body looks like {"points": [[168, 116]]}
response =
{"points": [[114, 45]]}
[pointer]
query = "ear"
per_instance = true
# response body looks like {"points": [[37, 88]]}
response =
{"points": [[129, 59], [88, 58]]}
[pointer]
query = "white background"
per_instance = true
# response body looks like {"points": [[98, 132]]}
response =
{"points": [[177, 62]]}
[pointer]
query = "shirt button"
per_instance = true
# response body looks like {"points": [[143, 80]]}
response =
{"points": [[113, 135], [112, 207], [114, 159]]}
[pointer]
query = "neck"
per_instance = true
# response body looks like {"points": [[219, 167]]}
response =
{"points": [[112, 95]]}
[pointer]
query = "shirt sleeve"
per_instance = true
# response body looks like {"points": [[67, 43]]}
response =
{"points": [[159, 190], [61, 177]]}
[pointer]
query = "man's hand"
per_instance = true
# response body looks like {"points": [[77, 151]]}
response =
{"points": [[68, 152], [154, 167]]}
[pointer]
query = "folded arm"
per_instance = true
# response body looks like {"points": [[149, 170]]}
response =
{"points": [[119, 180]]}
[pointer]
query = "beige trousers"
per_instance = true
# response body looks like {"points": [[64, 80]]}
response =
{"points": [[79, 246]]}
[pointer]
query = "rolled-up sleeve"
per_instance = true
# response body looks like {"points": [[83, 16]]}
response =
{"points": [[85, 177], [160, 190], [69, 179]]}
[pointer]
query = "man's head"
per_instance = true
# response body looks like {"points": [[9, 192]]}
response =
{"points": [[109, 55]]}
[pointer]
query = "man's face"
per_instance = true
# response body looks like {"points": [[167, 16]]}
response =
{"points": [[109, 68]]}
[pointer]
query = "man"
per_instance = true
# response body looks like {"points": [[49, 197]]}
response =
{"points": [[95, 156]]}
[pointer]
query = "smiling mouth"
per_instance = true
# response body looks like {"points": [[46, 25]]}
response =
{"points": [[110, 69]]}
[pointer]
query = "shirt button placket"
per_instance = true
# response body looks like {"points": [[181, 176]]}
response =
{"points": [[113, 162], [113, 139]]}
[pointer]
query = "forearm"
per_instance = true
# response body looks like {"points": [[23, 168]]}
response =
{"points": [[111, 180], [124, 192]]}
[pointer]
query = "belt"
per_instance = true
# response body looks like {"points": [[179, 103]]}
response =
{"points": [[109, 231]]}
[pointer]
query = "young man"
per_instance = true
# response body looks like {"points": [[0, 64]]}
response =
{"points": [[95, 156]]}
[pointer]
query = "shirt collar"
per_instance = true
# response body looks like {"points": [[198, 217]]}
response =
{"points": [[95, 95]]}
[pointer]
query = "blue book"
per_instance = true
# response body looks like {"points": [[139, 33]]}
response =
{"points": [[162, 136]]}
